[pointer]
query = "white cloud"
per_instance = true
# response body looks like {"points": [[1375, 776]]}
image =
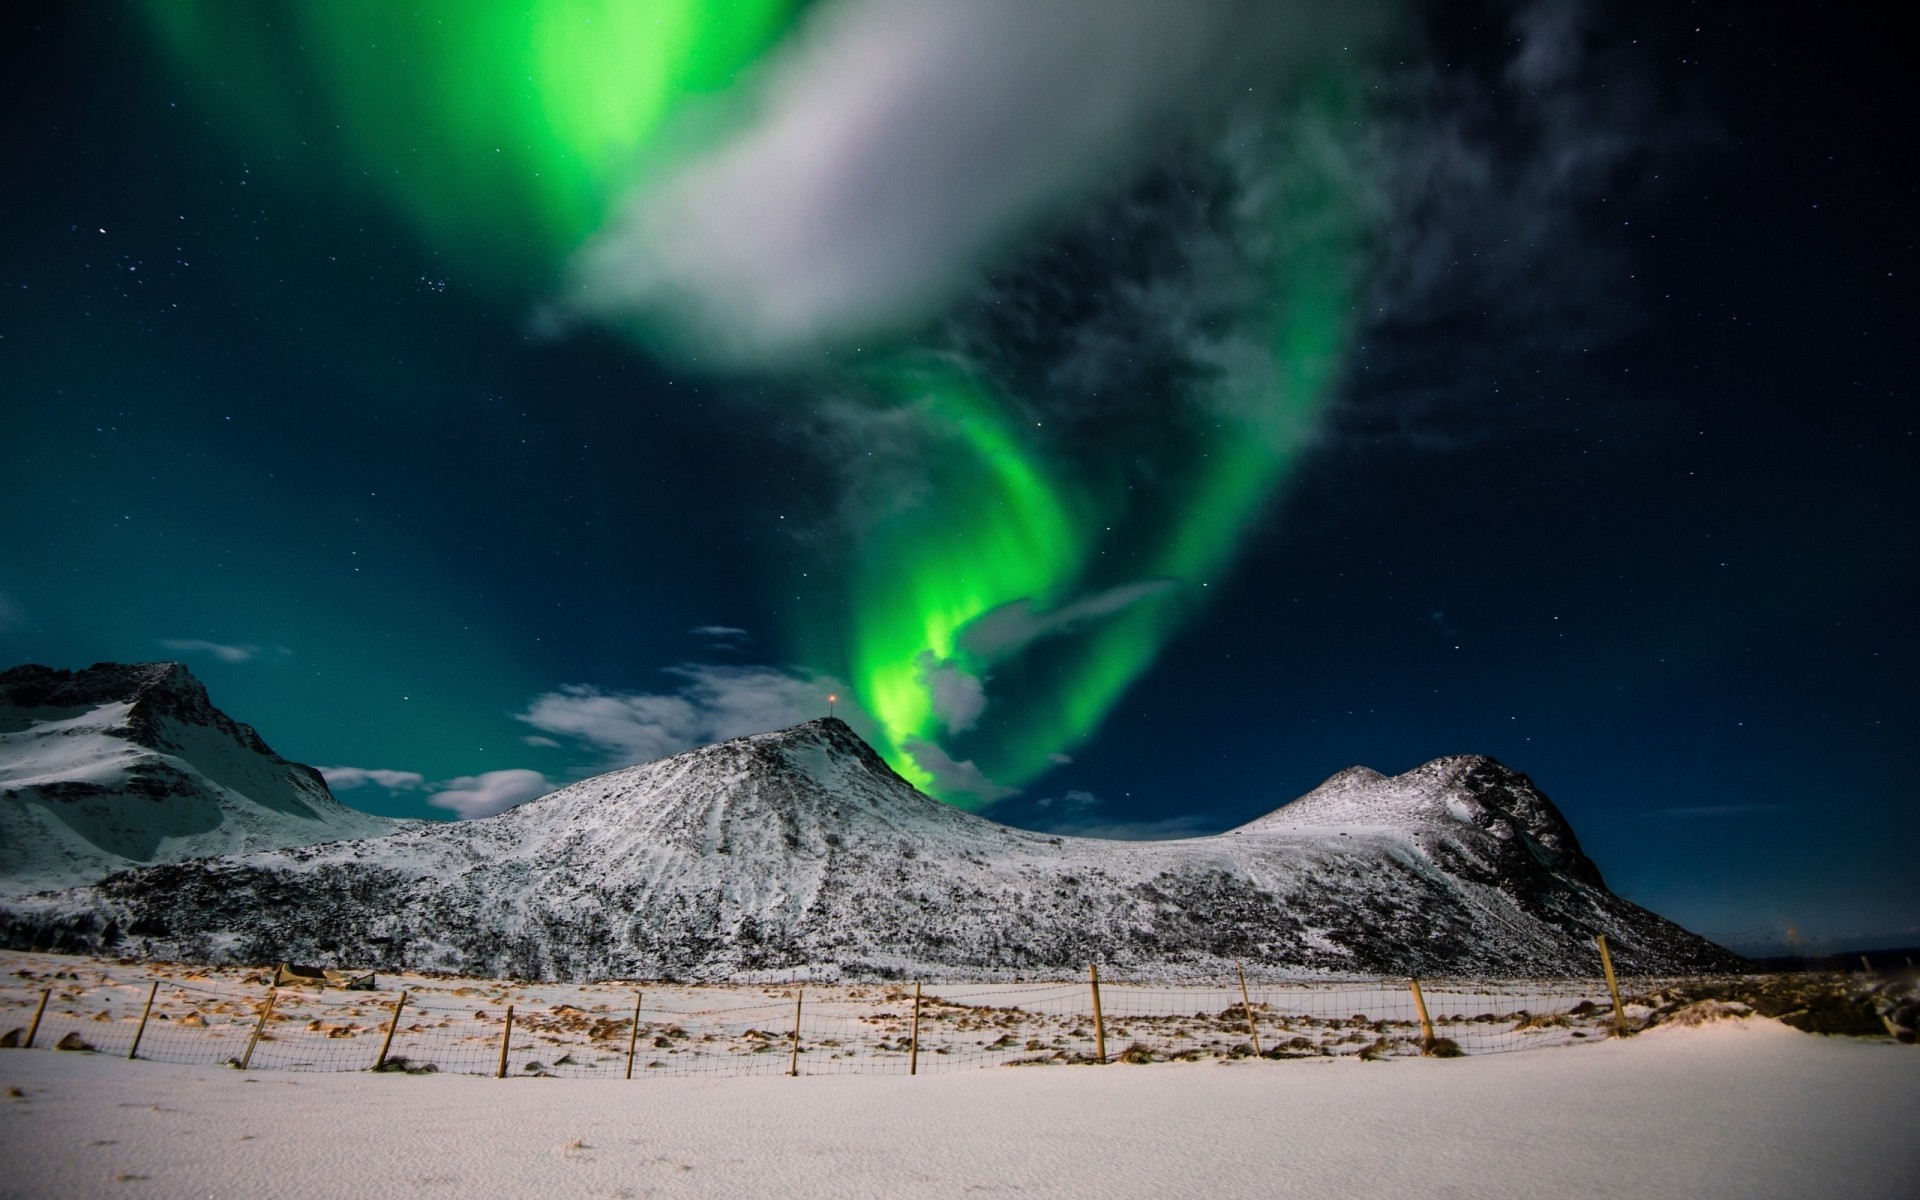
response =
{"points": [[958, 697], [1166, 830], [713, 703], [353, 777], [1718, 810], [1074, 801], [896, 147], [221, 651], [1012, 627], [955, 776], [728, 636], [489, 793], [1078, 814]]}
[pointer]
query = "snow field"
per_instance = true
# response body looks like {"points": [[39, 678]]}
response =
{"points": [[1743, 1108]]}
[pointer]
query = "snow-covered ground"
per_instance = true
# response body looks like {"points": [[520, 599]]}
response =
{"points": [[1735, 1108]]}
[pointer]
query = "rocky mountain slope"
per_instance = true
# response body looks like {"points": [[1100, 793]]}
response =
{"points": [[118, 766], [801, 848]]}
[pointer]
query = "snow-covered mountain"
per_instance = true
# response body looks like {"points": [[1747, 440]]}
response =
{"points": [[801, 848], [122, 765]]}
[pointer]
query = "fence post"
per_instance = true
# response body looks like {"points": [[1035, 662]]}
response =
{"points": [[144, 1014], [1426, 1026], [633, 1035], [1099, 1025], [1613, 986], [913, 1046], [266, 1010], [35, 1026], [1246, 1006], [386, 1043], [793, 1056], [506, 1037]]}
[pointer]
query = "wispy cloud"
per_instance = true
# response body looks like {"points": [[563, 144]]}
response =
{"points": [[470, 796], [712, 703], [223, 652], [1011, 628], [726, 637], [956, 776], [353, 777], [893, 149], [489, 793], [1079, 813], [1689, 812]]}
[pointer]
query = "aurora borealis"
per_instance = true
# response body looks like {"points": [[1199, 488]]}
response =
{"points": [[506, 133], [1135, 413]]}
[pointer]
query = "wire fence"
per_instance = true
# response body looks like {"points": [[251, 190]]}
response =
{"points": [[797, 1027]]}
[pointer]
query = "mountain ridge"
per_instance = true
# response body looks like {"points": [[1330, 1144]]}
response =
{"points": [[120, 765], [801, 849]]}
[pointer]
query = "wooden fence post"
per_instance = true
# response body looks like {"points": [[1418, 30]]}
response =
{"points": [[1426, 1025], [1246, 1006], [144, 1014], [793, 1056], [505, 1041], [506, 1037], [35, 1026], [913, 1045], [386, 1043], [1613, 986], [259, 1027], [1099, 1025], [633, 1035]]}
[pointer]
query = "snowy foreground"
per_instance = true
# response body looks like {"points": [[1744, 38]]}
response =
{"points": [[1745, 1108]]}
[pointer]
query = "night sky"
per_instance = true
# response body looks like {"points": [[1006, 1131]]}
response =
{"points": [[1133, 411]]}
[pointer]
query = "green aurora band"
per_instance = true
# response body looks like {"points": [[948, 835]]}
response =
{"points": [[1012, 528], [504, 131]]}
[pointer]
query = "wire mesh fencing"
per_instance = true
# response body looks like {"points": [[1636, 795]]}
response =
{"points": [[632, 1031]]}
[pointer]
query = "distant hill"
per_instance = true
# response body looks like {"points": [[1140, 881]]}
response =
{"points": [[124, 765], [802, 848]]}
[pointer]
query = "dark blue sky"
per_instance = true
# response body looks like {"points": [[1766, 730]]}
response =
{"points": [[1626, 499]]}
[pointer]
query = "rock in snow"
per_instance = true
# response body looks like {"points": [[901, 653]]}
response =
{"points": [[122, 765], [802, 849]]}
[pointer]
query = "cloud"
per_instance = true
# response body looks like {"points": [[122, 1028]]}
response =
{"points": [[534, 739], [1688, 812], [894, 148], [223, 652], [1166, 830], [1012, 627], [952, 776], [726, 637], [1074, 801], [1488, 169], [1078, 814], [12, 615], [489, 793], [712, 704], [958, 697], [353, 777], [471, 796]]}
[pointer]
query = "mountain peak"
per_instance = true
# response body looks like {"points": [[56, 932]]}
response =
{"points": [[120, 764], [1445, 793]]}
